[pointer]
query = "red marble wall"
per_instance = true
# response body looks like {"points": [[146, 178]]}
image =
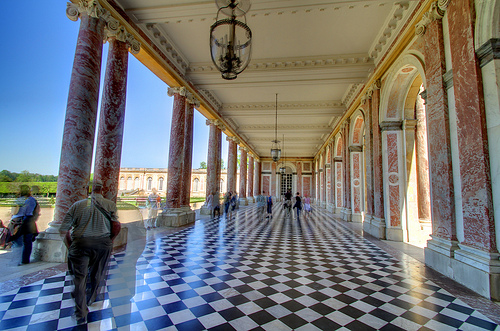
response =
{"points": [[378, 196], [438, 135], [477, 204]]}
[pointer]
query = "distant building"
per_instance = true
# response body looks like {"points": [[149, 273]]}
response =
{"points": [[140, 181]]}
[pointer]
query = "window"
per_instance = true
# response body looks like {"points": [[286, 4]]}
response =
{"points": [[196, 185], [150, 183], [136, 183], [129, 183], [123, 183], [160, 184]]}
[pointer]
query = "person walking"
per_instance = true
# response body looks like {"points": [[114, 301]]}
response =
{"points": [[27, 216], [298, 205], [269, 206], [307, 206], [90, 224], [152, 204], [261, 205]]}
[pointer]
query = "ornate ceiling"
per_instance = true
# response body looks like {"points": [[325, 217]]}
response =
{"points": [[316, 54]]}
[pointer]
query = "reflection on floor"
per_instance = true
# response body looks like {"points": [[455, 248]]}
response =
{"points": [[251, 274]]}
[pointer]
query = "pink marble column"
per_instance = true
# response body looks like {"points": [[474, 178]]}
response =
{"points": [[81, 115], [187, 151], [378, 188], [243, 173], [438, 126], [347, 170], [176, 149], [220, 128], [423, 187], [369, 154], [273, 179], [213, 157], [232, 162], [299, 177], [111, 121], [250, 174], [477, 203], [256, 182]]}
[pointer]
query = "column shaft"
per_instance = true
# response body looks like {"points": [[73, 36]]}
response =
{"points": [[176, 149], [423, 187], [250, 174], [232, 162], [212, 162], [256, 181], [81, 115], [188, 154], [243, 173], [112, 118], [299, 178], [378, 188]]}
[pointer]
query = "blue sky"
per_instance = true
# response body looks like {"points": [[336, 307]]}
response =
{"points": [[39, 46]]}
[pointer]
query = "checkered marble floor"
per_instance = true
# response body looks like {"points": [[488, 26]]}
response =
{"points": [[250, 274]]}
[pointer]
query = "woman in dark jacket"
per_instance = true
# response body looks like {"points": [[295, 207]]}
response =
{"points": [[298, 205], [27, 214]]}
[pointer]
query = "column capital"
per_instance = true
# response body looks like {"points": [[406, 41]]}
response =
{"points": [[234, 139], [181, 90], [191, 99], [113, 28], [436, 12], [367, 96], [243, 148]]}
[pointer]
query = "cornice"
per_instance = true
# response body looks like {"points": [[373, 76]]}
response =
{"points": [[284, 127], [163, 42], [351, 93], [292, 105], [306, 62], [392, 25]]}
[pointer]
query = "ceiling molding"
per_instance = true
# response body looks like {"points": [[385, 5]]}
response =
{"points": [[176, 12], [346, 61], [167, 46]]}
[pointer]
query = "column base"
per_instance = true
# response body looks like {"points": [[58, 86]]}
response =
{"points": [[251, 199], [330, 208], [346, 214], [338, 211], [357, 218], [205, 210], [374, 226], [49, 246], [175, 217], [478, 270], [394, 234], [243, 201]]}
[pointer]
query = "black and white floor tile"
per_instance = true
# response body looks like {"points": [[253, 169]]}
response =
{"points": [[250, 274]]}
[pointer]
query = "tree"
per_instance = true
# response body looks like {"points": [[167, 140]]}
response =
{"points": [[203, 165], [25, 177], [222, 166]]}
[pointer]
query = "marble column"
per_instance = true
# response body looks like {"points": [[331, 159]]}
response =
{"points": [[212, 162], [81, 115], [112, 118], [243, 176], [423, 187], [479, 248], [274, 179], [191, 102], [368, 154], [176, 150], [256, 180], [299, 178], [378, 219], [232, 163], [444, 234], [250, 174], [346, 213]]}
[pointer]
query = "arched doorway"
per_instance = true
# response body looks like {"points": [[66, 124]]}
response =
{"points": [[404, 153]]}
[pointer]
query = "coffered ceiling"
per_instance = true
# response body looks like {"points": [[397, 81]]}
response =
{"points": [[315, 54]]}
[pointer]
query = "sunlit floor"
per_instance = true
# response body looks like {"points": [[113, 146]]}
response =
{"points": [[253, 274]]}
